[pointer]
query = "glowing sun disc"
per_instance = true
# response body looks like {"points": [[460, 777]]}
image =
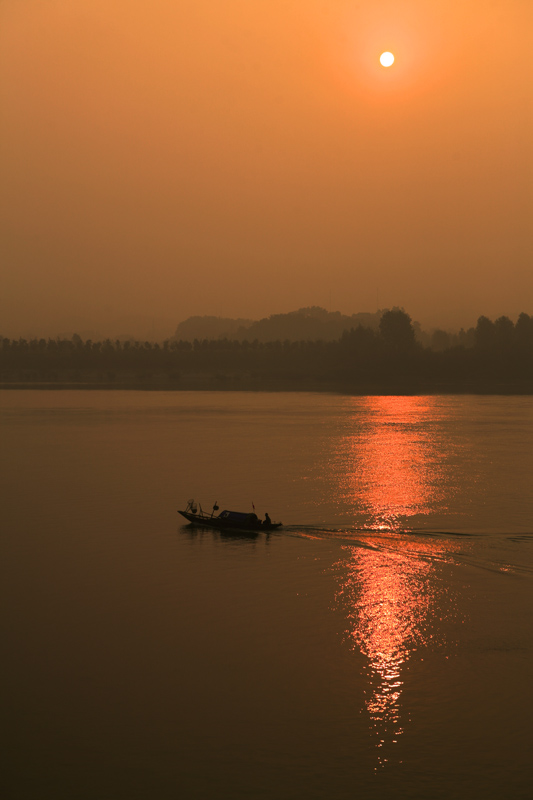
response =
{"points": [[386, 59]]}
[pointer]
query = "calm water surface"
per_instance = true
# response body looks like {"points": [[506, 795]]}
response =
{"points": [[380, 644]]}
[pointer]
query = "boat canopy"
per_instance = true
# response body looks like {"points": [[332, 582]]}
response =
{"points": [[237, 516]]}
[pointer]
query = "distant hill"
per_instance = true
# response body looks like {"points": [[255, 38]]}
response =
{"points": [[210, 328], [306, 324]]}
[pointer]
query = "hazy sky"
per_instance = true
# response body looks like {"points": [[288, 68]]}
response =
{"points": [[164, 158]]}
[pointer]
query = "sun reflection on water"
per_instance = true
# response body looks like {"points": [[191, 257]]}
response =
{"points": [[390, 590], [394, 464], [393, 603]]}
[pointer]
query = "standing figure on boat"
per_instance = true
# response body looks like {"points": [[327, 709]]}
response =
{"points": [[268, 522]]}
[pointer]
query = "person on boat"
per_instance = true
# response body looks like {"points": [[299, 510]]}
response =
{"points": [[268, 522]]}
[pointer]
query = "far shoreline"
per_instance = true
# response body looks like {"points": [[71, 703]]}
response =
{"points": [[225, 384]]}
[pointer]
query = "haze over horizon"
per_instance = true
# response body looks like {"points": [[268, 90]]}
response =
{"points": [[165, 159]]}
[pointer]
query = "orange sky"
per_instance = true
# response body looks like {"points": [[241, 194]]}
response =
{"points": [[163, 158]]}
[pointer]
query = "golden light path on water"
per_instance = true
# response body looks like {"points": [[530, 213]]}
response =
{"points": [[393, 605], [390, 591], [397, 466]]}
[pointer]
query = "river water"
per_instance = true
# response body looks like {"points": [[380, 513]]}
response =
{"points": [[379, 645]]}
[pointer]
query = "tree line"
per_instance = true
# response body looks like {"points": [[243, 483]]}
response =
{"points": [[493, 356]]}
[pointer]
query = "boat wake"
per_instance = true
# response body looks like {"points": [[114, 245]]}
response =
{"points": [[504, 553]]}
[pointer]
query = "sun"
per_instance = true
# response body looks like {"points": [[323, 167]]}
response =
{"points": [[386, 59]]}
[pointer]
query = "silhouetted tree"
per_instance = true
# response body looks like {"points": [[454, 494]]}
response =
{"points": [[524, 332], [485, 336], [396, 330], [440, 340], [467, 338], [504, 333]]}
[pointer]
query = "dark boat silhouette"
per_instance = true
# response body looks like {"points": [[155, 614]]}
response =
{"points": [[226, 520]]}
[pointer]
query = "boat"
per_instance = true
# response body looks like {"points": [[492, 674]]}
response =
{"points": [[227, 520]]}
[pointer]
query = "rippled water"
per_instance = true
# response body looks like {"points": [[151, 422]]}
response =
{"points": [[378, 645]]}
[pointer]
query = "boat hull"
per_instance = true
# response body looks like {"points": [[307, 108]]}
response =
{"points": [[204, 521]]}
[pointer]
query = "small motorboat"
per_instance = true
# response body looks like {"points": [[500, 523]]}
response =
{"points": [[227, 520]]}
